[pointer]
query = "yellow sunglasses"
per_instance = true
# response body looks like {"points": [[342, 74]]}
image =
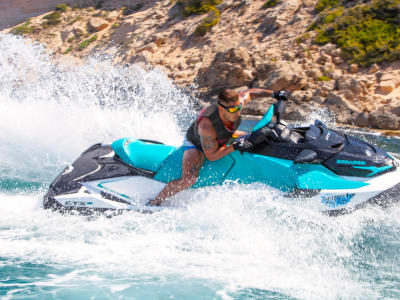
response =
{"points": [[231, 109]]}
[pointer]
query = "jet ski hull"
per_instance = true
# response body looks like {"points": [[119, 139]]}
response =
{"points": [[318, 167], [110, 186]]}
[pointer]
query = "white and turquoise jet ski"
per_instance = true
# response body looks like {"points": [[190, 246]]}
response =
{"points": [[322, 168]]}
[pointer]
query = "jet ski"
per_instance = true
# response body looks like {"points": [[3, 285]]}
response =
{"points": [[324, 169]]}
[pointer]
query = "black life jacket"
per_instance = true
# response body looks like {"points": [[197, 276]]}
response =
{"points": [[223, 133]]}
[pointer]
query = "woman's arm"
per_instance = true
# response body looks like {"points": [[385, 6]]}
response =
{"points": [[208, 138], [247, 95]]}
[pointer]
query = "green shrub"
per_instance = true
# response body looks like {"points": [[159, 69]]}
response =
{"points": [[62, 7], [22, 29], [324, 78], [211, 20], [333, 15], [302, 38], [77, 18], [270, 3], [367, 33], [197, 7], [67, 50], [323, 4], [87, 42], [52, 19]]}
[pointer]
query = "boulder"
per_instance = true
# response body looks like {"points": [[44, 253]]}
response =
{"points": [[349, 83], [269, 25], [335, 99], [289, 56], [382, 119], [396, 111], [182, 65], [301, 96], [353, 68], [362, 120], [314, 73], [386, 87], [329, 48], [285, 77], [193, 59], [344, 116], [336, 53], [318, 99], [297, 112], [323, 58], [97, 24], [257, 106], [230, 69], [112, 16], [159, 40], [339, 101], [66, 35], [142, 57], [78, 31], [388, 82], [373, 69], [338, 60], [150, 47]]}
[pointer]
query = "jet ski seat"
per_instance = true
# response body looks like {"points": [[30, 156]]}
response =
{"points": [[313, 133], [142, 154]]}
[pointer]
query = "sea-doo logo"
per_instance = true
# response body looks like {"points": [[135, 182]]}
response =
{"points": [[350, 162], [78, 203], [333, 200]]}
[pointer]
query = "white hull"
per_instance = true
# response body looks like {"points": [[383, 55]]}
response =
{"points": [[133, 192]]}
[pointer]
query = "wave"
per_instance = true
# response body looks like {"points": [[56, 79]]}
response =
{"points": [[228, 242]]}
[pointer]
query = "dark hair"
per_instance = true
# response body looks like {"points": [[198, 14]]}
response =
{"points": [[228, 96]]}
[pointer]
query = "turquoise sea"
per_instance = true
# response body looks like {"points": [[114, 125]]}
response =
{"points": [[230, 242]]}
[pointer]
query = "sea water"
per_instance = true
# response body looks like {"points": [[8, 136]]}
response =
{"points": [[228, 242]]}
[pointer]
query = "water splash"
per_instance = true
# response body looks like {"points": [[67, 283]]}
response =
{"points": [[229, 242], [51, 112]]}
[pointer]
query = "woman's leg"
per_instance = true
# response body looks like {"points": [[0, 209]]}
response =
{"points": [[191, 164]]}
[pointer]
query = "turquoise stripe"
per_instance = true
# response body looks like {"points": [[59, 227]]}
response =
{"points": [[110, 190], [265, 120], [374, 170]]}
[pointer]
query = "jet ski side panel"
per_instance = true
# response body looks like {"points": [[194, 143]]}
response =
{"points": [[211, 173], [250, 168], [96, 163], [316, 176]]}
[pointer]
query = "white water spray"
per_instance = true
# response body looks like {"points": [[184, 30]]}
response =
{"points": [[234, 240]]}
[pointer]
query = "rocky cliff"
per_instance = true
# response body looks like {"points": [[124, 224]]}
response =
{"points": [[236, 44]]}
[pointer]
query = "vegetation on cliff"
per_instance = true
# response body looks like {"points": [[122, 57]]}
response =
{"points": [[87, 42], [367, 32], [205, 26], [271, 3], [52, 19], [198, 7], [22, 29]]}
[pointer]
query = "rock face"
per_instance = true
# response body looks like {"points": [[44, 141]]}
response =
{"points": [[229, 69], [251, 46], [97, 24], [286, 76], [384, 120]]}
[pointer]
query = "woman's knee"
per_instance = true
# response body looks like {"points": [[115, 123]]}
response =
{"points": [[189, 181]]}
